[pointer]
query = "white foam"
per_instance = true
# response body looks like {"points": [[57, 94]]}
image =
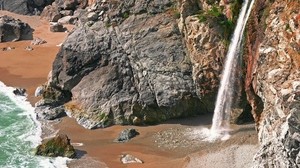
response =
{"points": [[207, 135], [58, 162], [33, 136], [21, 101]]}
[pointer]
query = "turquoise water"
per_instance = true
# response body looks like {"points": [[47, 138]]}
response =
{"points": [[20, 134]]}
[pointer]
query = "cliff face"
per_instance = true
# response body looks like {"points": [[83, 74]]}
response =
{"points": [[140, 62], [273, 81], [126, 66]]}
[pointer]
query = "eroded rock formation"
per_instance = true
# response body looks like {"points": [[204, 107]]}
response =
{"points": [[273, 81], [138, 62]]}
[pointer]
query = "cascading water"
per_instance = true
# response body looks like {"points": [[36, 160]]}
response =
{"points": [[222, 111]]}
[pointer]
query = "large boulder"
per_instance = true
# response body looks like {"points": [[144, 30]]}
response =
{"points": [[143, 62], [273, 81], [14, 29], [129, 76], [25, 7], [57, 146]]}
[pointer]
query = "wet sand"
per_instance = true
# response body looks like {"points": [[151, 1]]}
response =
{"points": [[29, 69]]}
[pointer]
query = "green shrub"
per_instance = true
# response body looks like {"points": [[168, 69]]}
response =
{"points": [[215, 15]]}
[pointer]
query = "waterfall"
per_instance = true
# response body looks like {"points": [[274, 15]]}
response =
{"points": [[220, 123]]}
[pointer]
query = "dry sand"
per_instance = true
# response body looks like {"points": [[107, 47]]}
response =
{"points": [[29, 69]]}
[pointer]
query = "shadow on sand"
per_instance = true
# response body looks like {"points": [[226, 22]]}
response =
{"points": [[80, 153], [199, 120]]}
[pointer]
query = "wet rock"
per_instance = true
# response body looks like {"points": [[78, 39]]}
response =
{"points": [[14, 29], [128, 159], [126, 135], [38, 41], [57, 146], [19, 91], [49, 113]]}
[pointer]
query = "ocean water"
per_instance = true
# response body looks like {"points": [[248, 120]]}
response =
{"points": [[20, 133]]}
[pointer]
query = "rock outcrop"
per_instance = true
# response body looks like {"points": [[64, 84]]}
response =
{"points": [[63, 9], [140, 62], [57, 146], [273, 81], [14, 29], [24, 7]]}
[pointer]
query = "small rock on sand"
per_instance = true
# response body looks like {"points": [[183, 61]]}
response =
{"points": [[127, 159]]}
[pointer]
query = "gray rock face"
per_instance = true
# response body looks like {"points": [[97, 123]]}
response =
{"points": [[49, 113], [14, 30], [131, 64], [25, 7]]}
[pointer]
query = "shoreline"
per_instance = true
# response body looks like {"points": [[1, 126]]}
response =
{"points": [[29, 69]]}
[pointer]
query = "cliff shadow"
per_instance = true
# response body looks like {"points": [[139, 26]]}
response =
{"points": [[198, 120], [80, 153]]}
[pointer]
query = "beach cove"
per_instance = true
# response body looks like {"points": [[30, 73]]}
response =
{"points": [[29, 69]]}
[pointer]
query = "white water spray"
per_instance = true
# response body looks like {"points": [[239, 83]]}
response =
{"points": [[220, 123]]}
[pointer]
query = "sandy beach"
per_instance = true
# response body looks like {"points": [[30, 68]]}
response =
{"points": [[29, 69]]}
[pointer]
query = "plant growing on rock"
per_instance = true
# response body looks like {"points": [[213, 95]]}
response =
{"points": [[214, 14]]}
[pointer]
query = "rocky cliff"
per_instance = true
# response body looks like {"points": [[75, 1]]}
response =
{"points": [[273, 81], [141, 62], [25, 7]]}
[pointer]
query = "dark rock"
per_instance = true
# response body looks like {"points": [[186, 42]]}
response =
{"points": [[126, 135], [19, 91], [57, 27], [25, 7], [57, 146], [13, 29], [49, 113]]}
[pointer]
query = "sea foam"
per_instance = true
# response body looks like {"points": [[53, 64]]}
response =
{"points": [[33, 136]]}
